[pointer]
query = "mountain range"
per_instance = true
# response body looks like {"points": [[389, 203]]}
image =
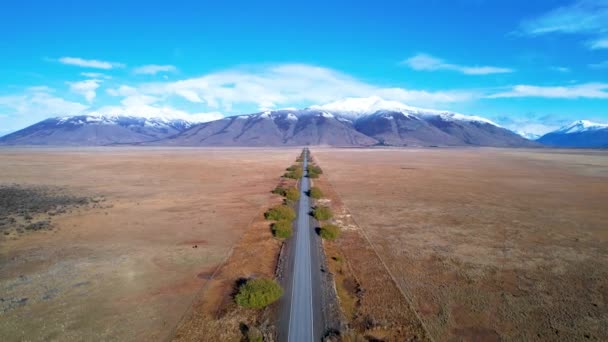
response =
{"points": [[581, 133], [349, 122], [95, 130]]}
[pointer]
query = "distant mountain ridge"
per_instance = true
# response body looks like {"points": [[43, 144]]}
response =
{"points": [[349, 122], [95, 130], [581, 133]]}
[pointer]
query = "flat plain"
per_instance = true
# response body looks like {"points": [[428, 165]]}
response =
{"points": [[128, 268], [488, 244]]}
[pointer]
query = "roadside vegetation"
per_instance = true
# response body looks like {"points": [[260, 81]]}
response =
{"points": [[284, 214], [294, 172], [258, 293], [322, 213], [314, 171], [280, 212], [301, 156], [329, 232], [282, 229], [315, 193], [279, 190], [292, 194]]}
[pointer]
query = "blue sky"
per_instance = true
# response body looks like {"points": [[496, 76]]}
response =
{"points": [[528, 65]]}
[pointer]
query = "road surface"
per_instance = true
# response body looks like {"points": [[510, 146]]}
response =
{"points": [[302, 302]]}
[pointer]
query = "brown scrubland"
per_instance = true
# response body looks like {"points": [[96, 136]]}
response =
{"points": [[434, 244], [484, 244], [129, 267]]}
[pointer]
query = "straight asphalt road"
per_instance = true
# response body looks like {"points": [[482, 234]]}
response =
{"points": [[303, 304]]}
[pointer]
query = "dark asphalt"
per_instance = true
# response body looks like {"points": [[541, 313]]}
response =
{"points": [[301, 318]]}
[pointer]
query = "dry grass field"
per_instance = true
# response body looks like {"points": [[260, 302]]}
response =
{"points": [[126, 269], [488, 244]]}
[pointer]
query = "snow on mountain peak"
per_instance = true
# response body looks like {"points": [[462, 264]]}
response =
{"points": [[582, 126], [156, 117], [369, 105], [361, 105]]}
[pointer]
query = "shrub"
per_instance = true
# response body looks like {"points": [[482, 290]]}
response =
{"points": [[279, 190], [322, 213], [280, 212], [329, 231], [282, 229], [315, 192], [292, 194], [295, 174], [254, 335], [258, 293], [314, 171]]}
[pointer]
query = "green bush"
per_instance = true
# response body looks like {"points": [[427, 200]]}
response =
{"points": [[282, 229], [279, 190], [295, 174], [254, 335], [292, 194], [280, 212], [314, 171], [322, 213], [315, 192], [258, 293], [329, 231]]}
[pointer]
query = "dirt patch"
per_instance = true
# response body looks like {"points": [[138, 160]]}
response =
{"points": [[489, 244]]}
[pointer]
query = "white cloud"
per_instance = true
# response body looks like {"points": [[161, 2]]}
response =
{"points": [[586, 90], [136, 103], [283, 85], [560, 69], [426, 62], [588, 17], [153, 69], [90, 63], [597, 44], [95, 75], [33, 105], [86, 88]]}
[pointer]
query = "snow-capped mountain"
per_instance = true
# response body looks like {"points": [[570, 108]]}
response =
{"points": [[363, 106], [96, 129], [582, 126], [581, 133], [274, 128], [348, 122], [352, 121]]}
